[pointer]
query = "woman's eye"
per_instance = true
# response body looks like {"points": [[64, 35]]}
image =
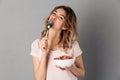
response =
{"points": [[61, 18]]}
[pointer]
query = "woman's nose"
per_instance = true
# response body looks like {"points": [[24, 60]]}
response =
{"points": [[54, 17]]}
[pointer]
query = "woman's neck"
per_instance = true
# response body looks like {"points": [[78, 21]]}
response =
{"points": [[53, 38]]}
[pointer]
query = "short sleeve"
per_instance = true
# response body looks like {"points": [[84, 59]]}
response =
{"points": [[35, 51], [76, 49]]}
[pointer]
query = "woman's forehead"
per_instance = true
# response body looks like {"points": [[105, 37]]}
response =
{"points": [[60, 11]]}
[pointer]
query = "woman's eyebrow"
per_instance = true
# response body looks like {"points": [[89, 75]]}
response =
{"points": [[62, 16]]}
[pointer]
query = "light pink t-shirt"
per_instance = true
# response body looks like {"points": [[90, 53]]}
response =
{"points": [[54, 73]]}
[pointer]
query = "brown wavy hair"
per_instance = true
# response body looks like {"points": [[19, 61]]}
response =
{"points": [[69, 36]]}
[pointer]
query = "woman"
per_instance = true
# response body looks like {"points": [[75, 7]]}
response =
{"points": [[60, 39]]}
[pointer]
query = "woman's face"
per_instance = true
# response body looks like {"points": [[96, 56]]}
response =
{"points": [[58, 17]]}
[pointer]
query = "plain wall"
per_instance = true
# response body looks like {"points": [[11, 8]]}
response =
{"points": [[21, 22]]}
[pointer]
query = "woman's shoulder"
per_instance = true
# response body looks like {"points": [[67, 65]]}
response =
{"points": [[35, 51], [75, 43], [76, 48], [36, 41]]}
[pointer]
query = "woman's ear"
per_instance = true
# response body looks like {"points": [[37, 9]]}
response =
{"points": [[64, 28]]}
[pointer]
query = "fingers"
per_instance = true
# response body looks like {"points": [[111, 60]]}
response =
{"points": [[67, 68], [44, 43], [46, 36], [60, 67]]}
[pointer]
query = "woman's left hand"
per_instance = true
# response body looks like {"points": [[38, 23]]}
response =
{"points": [[67, 68]]}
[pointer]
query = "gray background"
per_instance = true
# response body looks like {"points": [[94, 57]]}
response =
{"points": [[21, 22]]}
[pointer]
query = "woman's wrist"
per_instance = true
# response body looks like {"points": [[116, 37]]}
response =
{"points": [[45, 54], [73, 69]]}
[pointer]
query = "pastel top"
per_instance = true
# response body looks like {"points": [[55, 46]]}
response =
{"points": [[54, 73]]}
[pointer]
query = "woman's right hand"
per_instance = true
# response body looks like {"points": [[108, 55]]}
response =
{"points": [[43, 45]]}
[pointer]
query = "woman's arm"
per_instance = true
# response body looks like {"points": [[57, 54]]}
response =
{"points": [[78, 68], [40, 67]]}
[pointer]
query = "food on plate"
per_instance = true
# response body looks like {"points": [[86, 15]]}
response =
{"points": [[63, 57]]}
